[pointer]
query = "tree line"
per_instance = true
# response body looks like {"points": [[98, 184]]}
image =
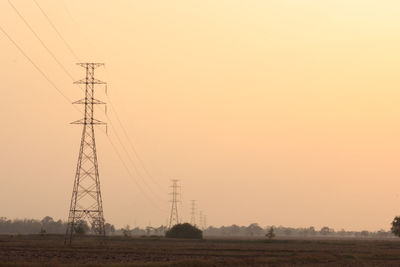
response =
{"points": [[254, 230], [45, 226], [50, 226]]}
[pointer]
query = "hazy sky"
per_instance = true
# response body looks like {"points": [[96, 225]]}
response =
{"points": [[276, 112]]}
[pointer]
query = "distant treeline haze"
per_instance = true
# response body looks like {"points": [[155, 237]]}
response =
{"points": [[49, 226]]}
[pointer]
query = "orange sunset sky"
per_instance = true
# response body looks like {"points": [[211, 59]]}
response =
{"points": [[280, 112]]}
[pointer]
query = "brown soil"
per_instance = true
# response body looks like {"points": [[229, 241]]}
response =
{"points": [[119, 251]]}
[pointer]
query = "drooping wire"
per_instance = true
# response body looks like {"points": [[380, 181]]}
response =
{"points": [[131, 160], [51, 53], [39, 39], [112, 106], [131, 143], [72, 78], [36, 66], [130, 174], [66, 98], [57, 31]]}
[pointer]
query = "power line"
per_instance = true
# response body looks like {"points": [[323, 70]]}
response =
{"points": [[130, 174], [40, 40], [111, 103], [131, 160], [112, 106], [65, 70], [72, 78], [69, 101], [56, 30], [131, 144], [34, 65]]}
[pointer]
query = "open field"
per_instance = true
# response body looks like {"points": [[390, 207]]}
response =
{"points": [[119, 251]]}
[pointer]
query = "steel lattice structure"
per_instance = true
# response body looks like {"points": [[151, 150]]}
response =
{"points": [[174, 219], [193, 213], [86, 201]]}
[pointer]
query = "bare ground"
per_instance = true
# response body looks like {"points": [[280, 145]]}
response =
{"points": [[34, 250]]}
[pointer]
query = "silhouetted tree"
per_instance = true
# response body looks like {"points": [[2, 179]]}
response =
{"points": [[160, 230], [325, 230], [81, 227], [270, 234], [149, 229], [254, 229], [311, 230], [47, 220], [234, 230], [110, 229], [127, 231], [396, 226]]}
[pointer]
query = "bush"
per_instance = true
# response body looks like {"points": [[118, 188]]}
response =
{"points": [[184, 230], [396, 226]]}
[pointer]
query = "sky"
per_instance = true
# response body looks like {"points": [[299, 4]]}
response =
{"points": [[278, 112]]}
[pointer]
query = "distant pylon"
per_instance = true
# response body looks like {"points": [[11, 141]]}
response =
{"points": [[86, 201], [174, 219], [200, 219], [193, 213]]}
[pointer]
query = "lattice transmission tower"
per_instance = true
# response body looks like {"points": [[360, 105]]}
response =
{"points": [[174, 219], [193, 213], [200, 219], [86, 202]]}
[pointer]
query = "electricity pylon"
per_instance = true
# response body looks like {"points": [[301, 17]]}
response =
{"points": [[174, 219], [86, 202], [200, 219], [193, 213]]}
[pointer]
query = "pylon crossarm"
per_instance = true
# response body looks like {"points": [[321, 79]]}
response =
{"points": [[92, 122], [98, 122], [91, 101], [92, 81], [93, 65]]}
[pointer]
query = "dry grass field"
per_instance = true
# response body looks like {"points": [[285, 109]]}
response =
{"points": [[119, 251]]}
